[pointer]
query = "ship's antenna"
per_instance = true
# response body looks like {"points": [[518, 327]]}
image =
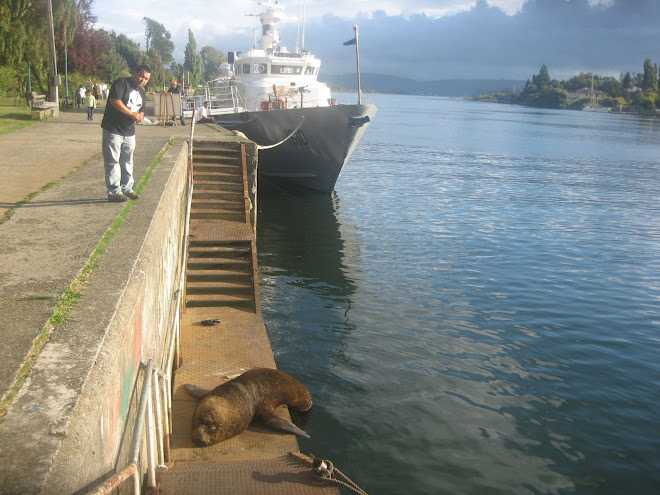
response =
{"points": [[298, 33], [303, 29], [254, 29]]}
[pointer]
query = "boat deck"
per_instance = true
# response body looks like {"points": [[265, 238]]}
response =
{"points": [[222, 284]]}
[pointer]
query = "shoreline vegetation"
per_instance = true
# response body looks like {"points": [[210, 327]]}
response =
{"points": [[635, 94], [630, 93]]}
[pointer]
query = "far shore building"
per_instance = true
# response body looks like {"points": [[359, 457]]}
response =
{"points": [[586, 94]]}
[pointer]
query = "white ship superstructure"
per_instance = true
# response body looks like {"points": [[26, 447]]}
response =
{"points": [[273, 96]]}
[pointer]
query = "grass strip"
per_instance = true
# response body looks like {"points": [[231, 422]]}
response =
{"points": [[7, 214], [75, 291], [27, 199], [14, 115]]}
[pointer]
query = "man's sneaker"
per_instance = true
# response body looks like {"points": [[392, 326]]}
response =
{"points": [[117, 198], [131, 195]]}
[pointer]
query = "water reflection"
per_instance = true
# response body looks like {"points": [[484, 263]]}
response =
{"points": [[308, 266]]}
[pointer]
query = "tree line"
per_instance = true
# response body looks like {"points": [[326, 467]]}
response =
{"points": [[92, 54], [639, 89]]}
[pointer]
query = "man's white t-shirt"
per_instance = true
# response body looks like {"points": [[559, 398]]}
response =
{"points": [[201, 113]]}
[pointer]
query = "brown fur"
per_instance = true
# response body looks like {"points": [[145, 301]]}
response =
{"points": [[229, 408]]}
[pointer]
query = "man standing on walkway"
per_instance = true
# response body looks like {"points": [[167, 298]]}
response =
{"points": [[124, 110]]}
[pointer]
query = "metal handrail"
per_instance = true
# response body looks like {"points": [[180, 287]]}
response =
{"points": [[155, 382]]}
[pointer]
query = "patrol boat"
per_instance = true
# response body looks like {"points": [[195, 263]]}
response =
{"points": [[273, 97]]}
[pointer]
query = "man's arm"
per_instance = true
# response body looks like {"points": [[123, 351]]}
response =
{"points": [[122, 108]]}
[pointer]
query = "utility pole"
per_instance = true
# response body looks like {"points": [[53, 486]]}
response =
{"points": [[54, 79], [357, 56], [66, 71], [356, 41]]}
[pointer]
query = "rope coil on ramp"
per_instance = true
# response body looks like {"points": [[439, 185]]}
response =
{"points": [[326, 471]]}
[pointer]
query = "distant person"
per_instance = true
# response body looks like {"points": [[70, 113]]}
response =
{"points": [[96, 91], [80, 95], [174, 87], [176, 90], [202, 114], [125, 109], [90, 103]]}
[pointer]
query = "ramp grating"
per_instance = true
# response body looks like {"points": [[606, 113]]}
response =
{"points": [[221, 266], [280, 476], [222, 285]]}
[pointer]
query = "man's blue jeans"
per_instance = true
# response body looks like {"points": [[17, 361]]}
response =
{"points": [[118, 160]]}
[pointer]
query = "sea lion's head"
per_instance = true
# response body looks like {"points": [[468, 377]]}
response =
{"points": [[214, 421], [205, 433]]}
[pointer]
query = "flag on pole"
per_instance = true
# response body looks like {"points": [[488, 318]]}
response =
{"points": [[350, 42]]}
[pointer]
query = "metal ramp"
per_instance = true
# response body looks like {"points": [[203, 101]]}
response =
{"points": [[222, 284]]}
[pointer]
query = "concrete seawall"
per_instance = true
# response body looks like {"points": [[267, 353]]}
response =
{"points": [[69, 424]]}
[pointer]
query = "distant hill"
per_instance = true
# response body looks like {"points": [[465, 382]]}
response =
{"points": [[445, 87]]}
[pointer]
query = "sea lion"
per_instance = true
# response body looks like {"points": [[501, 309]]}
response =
{"points": [[228, 409]]}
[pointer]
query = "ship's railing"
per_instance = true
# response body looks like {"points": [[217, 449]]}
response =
{"points": [[266, 101], [221, 98]]}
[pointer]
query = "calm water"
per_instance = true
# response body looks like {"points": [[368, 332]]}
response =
{"points": [[476, 309]]}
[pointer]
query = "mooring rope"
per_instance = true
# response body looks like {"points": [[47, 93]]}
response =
{"points": [[328, 472]]}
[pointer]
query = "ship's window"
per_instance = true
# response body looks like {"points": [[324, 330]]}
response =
{"points": [[246, 68], [286, 69], [238, 68], [259, 68], [309, 70]]}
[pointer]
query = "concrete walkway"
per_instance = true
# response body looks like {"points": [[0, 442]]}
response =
{"points": [[47, 241]]}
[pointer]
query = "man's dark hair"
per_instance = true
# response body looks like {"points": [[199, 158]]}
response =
{"points": [[141, 68]]}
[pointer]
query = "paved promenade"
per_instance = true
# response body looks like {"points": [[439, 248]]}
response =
{"points": [[47, 241]]}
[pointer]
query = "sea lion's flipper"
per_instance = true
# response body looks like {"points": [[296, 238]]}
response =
{"points": [[267, 415], [197, 392]]}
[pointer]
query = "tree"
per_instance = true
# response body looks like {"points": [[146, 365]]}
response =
{"points": [[113, 65], [212, 58], [159, 40], [158, 75], [542, 92], [18, 22], [66, 18], [626, 82], [130, 50], [89, 45], [612, 87], [192, 61], [543, 79], [650, 78], [23, 42]]}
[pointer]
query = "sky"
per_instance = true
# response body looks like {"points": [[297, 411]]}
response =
{"points": [[422, 39]]}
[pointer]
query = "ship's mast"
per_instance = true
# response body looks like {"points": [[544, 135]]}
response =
{"points": [[269, 17]]}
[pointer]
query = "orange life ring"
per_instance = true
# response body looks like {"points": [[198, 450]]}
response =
{"points": [[278, 104]]}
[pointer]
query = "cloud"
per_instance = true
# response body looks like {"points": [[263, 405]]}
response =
{"points": [[429, 39], [485, 42]]}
